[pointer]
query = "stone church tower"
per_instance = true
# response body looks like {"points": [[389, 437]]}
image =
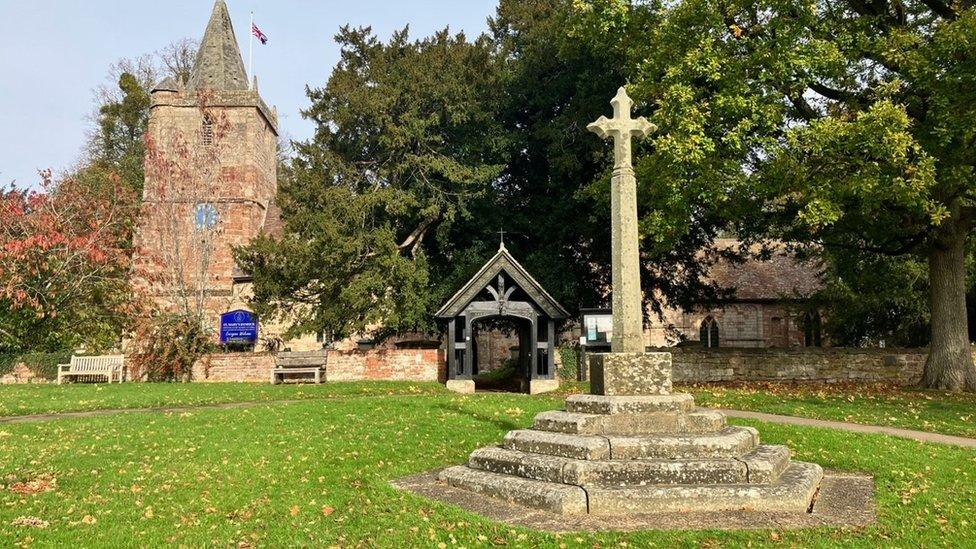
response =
{"points": [[210, 175]]}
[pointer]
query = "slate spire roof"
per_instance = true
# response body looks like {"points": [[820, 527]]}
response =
{"points": [[219, 65]]}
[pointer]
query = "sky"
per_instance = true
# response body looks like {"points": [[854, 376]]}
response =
{"points": [[55, 53]]}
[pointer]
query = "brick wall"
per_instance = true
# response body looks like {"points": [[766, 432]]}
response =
{"points": [[831, 365], [387, 364], [351, 365], [234, 367]]}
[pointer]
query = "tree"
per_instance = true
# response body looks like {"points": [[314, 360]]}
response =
{"points": [[406, 142], [532, 135], [116, 143], [840, 124], [177, 59], [554, 84], [64, 265], [870, 298], [119, 147]]}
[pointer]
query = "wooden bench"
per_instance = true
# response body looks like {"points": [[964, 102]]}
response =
{"points": [[308, 364], [109, 366]]}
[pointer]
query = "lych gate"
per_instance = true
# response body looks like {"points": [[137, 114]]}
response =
{"points": [[502, 290]]}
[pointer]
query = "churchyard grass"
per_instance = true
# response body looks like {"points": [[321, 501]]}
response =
{"points": [[935, 411], [317, 473], [18, 400], [947, 413]]}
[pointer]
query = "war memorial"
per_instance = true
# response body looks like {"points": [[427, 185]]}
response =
{"points": [[633, 449]]}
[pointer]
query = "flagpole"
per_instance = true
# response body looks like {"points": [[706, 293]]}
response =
{"points": [[250, 54]]}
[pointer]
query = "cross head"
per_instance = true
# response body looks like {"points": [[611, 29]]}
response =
{"points": [[622, 128]]}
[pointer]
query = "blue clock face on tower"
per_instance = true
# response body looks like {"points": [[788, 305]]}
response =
{"points": [[205, 216]]}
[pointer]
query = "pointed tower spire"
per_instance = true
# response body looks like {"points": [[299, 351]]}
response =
{"points": [[219, 64]]}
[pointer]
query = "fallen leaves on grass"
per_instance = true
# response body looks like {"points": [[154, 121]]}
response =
{"points": [[44, 483], [326, 511], [240, 515], [30, 522], [515, 412]]}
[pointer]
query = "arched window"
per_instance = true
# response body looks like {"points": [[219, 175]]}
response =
{"points": [[208, 130], [709, 333], [812, 329]]}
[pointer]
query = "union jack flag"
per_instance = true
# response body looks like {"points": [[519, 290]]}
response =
{"points": [[258, 34]]}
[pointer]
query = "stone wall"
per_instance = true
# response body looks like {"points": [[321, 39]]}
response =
{"points": [[350, 365], [831, 365]]}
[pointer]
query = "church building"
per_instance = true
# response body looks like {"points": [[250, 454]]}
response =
{"points": [[211, 178], [768, 305]]}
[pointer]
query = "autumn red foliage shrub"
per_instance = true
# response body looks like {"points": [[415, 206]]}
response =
{"points": [[65, 254]]}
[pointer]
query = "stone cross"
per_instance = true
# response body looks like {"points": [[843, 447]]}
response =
{"points": [[628, 316]]}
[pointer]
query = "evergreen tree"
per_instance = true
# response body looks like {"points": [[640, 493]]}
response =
{"points": [[407, 141]]}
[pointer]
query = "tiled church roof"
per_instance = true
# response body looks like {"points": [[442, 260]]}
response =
{"points": [[782, 276]]}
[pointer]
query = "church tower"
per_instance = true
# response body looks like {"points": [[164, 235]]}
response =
{"points": [[210, 174]]}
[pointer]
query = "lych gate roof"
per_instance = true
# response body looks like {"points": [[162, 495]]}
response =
{"points": [[219, 65], [502, 261]]}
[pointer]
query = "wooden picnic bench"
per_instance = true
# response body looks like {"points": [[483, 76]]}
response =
{"points": [[109, 366], [310, 365]]}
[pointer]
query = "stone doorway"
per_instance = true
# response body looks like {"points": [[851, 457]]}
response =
{"points": [[498, 361]]}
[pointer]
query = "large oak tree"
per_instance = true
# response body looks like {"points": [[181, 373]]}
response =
{"points": [[843, 124]]}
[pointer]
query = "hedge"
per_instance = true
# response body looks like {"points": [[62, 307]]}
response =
{"points": [[44, 365], [569, 369], [7, 361]]}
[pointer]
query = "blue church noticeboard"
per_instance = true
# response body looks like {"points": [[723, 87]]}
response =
{"points": [[238, 327]]}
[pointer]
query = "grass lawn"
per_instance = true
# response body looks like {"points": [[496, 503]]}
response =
{"points": [[18, 400], [939, 412], [317, 473]]}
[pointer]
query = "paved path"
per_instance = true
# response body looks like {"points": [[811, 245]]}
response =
{"points": [[922, 436]]}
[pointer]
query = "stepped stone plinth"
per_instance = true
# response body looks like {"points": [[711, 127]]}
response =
{"points": [[636, 448]]}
